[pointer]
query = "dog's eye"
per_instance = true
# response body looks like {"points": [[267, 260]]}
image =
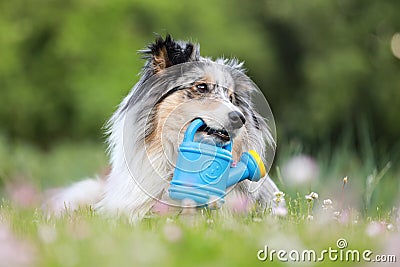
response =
{"points": [[231, 98], [202, 87]]}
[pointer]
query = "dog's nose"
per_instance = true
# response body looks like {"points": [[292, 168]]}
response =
{"points": [[237, 119]]}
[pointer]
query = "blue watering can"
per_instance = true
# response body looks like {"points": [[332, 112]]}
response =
{"points": [[203, 172]]}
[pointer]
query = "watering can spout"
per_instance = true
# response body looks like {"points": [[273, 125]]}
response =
{"points": [[249, 167]]}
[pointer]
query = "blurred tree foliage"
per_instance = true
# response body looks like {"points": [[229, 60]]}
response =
{"points": [[323, 65]]}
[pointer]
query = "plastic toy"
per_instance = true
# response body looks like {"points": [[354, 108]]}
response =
{"points": [[203, 172]]}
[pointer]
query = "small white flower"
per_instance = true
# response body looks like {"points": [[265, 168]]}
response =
{"points": [[312, 196], [310, 217], [390, 227], [327, 204], [278, 197], [279, 194], [276, 200], [336, 213]]}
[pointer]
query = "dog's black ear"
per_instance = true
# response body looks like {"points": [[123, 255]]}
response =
{"points": [[166, 53]]}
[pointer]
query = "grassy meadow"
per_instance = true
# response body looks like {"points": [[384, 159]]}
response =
{"points": [[362, 211]]}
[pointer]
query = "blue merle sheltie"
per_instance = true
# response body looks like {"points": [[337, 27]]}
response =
{"points": [[176, 86]]}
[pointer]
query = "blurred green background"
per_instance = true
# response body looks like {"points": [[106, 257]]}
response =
{"points": [[328, 69]]}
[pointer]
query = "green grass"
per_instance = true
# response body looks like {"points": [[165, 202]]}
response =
{"points": [[85, 239], [205, 238]]}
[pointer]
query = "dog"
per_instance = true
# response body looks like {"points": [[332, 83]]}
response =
{"points": [[177, 85]]}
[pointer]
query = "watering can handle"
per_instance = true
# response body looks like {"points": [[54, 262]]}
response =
{"points": [[192, 129]]}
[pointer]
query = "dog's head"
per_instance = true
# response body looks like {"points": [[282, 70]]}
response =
{"points": [[178, 85]]}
